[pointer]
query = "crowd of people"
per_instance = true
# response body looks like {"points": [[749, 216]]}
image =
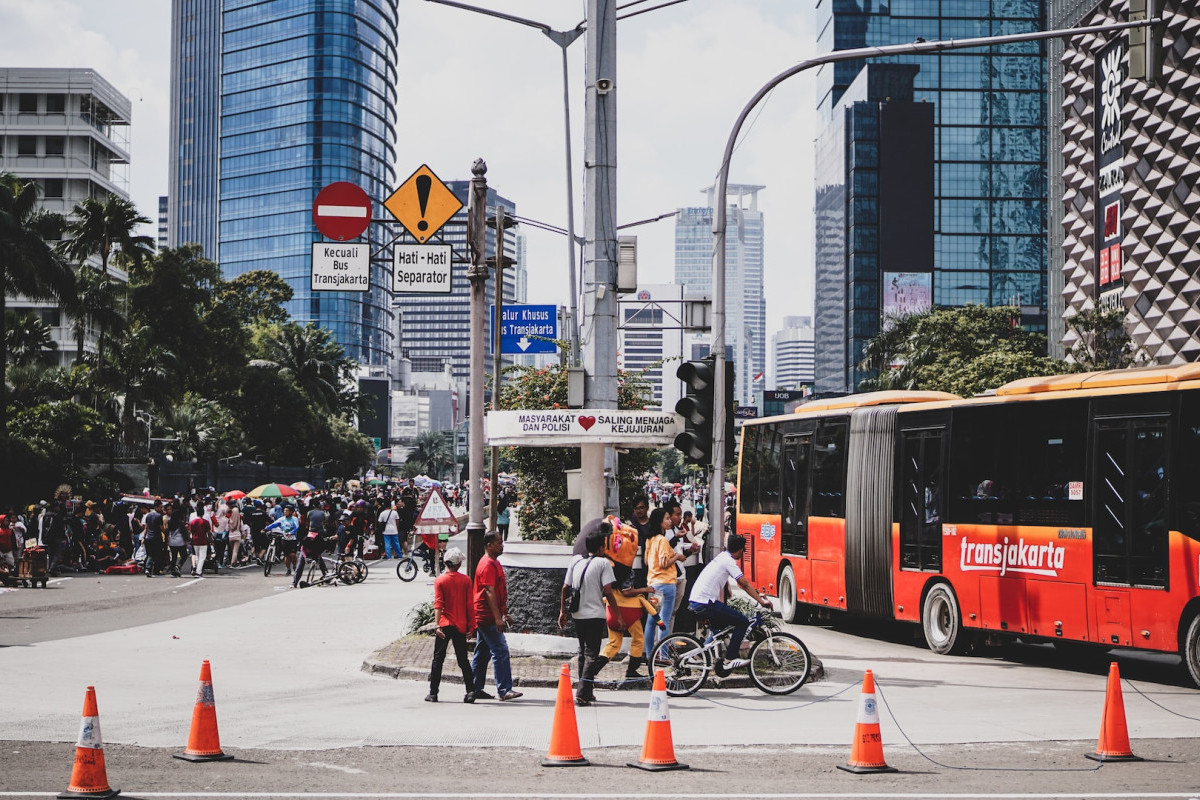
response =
{"points": [[186, 534]]}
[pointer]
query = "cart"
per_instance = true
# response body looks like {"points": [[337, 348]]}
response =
{"points": [[32, 567]]}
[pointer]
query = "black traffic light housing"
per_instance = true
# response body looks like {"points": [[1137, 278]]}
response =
{"points": [[696, 408]]}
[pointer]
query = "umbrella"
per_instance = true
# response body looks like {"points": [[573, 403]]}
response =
{"points": [[303, 486], [377, 482], [236, 494], [273, 490]]}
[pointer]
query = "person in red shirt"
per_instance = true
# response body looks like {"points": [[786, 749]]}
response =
{"points": [[201, 534], [491, 618], [456, 619]]}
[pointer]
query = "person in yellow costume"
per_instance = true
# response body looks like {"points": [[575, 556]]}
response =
{"points": [[620, 547]]}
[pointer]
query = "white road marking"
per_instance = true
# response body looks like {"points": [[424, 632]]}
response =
{"points": [[56, 581], [661, 795], [341, 211], [338, 767], [189, 583]]}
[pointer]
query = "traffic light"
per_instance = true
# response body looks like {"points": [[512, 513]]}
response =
{"points": [[696, 408]]}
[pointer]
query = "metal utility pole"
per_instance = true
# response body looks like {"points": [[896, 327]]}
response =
{"points": [[477, 274], [599, 463], [502, 223], [716, 489]]}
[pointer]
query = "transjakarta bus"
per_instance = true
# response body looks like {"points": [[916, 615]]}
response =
{"points": [[1064, 508]]}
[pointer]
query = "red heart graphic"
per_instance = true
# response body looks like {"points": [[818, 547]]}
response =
{"points": [[587, 422]]}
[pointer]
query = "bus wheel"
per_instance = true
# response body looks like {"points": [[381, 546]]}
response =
{"points": [[1191, 650], [789, 605], [942, 622]]}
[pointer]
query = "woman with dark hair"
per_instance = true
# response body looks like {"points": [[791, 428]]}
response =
{"points": [[660, 572]]}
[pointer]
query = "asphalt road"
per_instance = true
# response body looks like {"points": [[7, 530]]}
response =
{"points": [[302, 718]]}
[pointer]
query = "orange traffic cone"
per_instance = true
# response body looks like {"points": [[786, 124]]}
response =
{"points": [[564, 736], [1114, 735], [866, 754], [204, 743], [88, 776], [658, 751]]}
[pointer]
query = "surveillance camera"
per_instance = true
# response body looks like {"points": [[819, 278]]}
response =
{"points": [[604, 86]]}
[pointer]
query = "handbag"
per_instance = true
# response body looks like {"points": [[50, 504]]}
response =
{"points": [[577, 591]]}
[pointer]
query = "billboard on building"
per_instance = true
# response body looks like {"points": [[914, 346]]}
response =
{"points": [[1112, 68], [906, 293]]}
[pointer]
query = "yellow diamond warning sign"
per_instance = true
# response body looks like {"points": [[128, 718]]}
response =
{"points": [[423, 204]]}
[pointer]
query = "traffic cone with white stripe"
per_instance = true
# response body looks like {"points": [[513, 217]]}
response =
{"points": [[89, 777], [658, 751], [204, 743], [1114, 734], [866, 753]]}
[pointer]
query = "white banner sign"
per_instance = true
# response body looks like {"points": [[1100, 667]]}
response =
{"points": [[340, 267], [579, 426], [421, 268]]}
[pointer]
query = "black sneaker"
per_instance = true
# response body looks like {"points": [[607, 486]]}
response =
{"points": [[482, 695], [469, 697], [431, 698]]}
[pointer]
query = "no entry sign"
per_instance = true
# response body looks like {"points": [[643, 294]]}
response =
{"points": [[342, 211]]}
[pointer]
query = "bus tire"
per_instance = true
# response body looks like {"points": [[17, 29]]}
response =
{"points": [[941, 621], [1191, 649], [789, 602]]}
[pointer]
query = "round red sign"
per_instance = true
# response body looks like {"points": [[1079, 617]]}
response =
{"points": [[342, 211]]}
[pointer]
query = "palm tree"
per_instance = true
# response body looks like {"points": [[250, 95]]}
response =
{"points": [[28, 265], [143, 373], [432, 453], [28, 337], [102, 228], [316, 362], [194, 423]]}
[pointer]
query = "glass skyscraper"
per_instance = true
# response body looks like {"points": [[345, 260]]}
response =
{"points": [[990, 140], [271, 101]]}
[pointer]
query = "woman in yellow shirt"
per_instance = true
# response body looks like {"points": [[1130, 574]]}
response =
{"points": [[660, 573]]}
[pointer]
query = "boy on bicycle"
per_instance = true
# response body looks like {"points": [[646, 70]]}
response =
{"points": [[707, 601], [311, 548]]}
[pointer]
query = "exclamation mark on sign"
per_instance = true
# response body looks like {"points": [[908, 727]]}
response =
{"points": [[424, 184]]}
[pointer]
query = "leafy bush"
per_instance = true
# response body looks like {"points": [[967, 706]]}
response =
{"points": [[420, 616]]}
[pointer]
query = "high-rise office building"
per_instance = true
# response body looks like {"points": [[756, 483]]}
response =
{"points": [[874, 218], [437, 327], [1126, 147], [68, 131], [794, 350], [745, 303], [989, 108], [271, 101], [651, 336]]}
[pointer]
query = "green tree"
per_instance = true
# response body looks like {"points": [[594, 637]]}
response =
{"points": [[142, 373], [257, 296], [103, 229], [28, 337], [963, 351], [433, 454], [28, 264], [1103, 343], [314, 360]]}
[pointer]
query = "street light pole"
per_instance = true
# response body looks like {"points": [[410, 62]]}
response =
{"points": [[717, 482], [563, 39], [477, 274]]}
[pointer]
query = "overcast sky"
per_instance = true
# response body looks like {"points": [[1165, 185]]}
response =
{"points": [[472, 86]]}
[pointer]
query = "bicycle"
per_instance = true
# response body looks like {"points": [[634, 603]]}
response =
{"points": [[274, 554], [343, 570], [779, 661], [406, 568]]}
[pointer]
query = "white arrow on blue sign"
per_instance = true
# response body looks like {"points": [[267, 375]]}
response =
{"points": [[520, 326]]}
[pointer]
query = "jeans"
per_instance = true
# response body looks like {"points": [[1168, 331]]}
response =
{"points": [[490, 644], [391, 545], [666, 608], [178, 557], [590, 633], [459, 639], [721, 616]]}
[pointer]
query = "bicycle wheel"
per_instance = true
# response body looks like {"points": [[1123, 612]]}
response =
{"points": [[361, 566], [779, 664], [684, 663], [314, 574], [406, 569], [348, 572], [269, 561]]}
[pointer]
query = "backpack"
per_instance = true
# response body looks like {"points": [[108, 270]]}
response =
{"points": [[622, 543]]}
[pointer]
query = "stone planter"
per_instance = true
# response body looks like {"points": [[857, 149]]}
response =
{"points": [[535, 573]]}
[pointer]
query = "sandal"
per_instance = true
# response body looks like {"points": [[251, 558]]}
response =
{"points": [[582, 701]]}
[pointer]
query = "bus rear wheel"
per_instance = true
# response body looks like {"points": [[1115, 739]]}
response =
{"points": [[1191, 650], [942, 622], [790, 607]]}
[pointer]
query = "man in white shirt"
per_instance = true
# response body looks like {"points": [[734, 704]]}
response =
{"points": [[389, 523], [707, 600]]}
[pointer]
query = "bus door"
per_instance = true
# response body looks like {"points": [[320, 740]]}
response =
{"points": [[797, 455], [1129, 501], [920, 501]]}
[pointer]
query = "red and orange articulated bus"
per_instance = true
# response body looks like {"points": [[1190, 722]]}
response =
{"points": [[1064, 509]]}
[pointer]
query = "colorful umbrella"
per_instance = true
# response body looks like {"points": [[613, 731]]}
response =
{"points": [[273, 490], [236, 494], [377, 482], [303, 486]]}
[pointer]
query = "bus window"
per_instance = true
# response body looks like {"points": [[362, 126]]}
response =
{"points": [[980, 475], [797, 452], [1046, 445], [1130, 534], [751, 466], [829, 469], [921, 500], [1186, 489], [768, 480]]}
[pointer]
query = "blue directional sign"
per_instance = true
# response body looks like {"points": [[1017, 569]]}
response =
{"points": [[519, 327]]}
